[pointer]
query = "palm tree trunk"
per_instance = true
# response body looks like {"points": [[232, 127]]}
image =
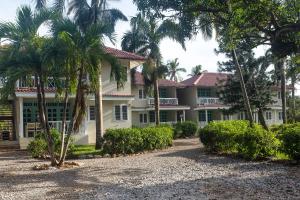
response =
{"points": [[243, 87], [79, 92], [63, 131], [43, 117], [261, 118], [99, 114], [156, 101], [293, 82], [281, 67]]}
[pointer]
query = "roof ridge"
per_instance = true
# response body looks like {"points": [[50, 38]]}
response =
{"points": [[198, 79]]}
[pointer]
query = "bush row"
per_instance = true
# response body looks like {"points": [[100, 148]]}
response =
{"points": [[185, 129], [134, 140], [251, 142]]}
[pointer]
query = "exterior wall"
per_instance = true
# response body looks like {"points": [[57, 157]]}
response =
{"points": [[137, 102], [108, 83], [187, 96]]}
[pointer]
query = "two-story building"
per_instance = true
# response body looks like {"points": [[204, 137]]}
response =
{"points": [[201, 94], [171, 111], [117, 106]]}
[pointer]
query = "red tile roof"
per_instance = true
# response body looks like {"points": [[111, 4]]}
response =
{"points": [[139, 80], [123, 54], [206, 79], [53, 90]]}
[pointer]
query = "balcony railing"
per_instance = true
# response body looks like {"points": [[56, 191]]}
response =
{"points": [[164, 101], [208, 100]]}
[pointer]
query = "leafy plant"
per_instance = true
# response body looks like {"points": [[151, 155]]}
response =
{"points": [[290, 138], [185, 129]]}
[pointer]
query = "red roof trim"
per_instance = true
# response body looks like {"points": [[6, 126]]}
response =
{"points": [[123, 54]]}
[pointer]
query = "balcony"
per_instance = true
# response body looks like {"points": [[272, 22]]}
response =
{"points": [[164, 101], [208, 100]]}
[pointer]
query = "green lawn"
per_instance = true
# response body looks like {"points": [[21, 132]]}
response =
{"points": [[81, 150]]}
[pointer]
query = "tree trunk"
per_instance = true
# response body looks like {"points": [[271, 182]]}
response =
{"points": [[281, 66], [243, 87], [73, 119], [293, 81], [43, 117], [63, 130], [261, 119], [99, 114]]}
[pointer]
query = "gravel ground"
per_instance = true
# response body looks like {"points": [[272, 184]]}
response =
{"points": [[182, 172]]}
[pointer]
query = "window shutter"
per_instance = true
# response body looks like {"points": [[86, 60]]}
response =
{"points": [[92, 112], [141, 118], [145, 118], [117, 112]]}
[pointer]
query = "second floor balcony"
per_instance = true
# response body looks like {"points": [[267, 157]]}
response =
{"points": [[164, 101], [208, 100]]}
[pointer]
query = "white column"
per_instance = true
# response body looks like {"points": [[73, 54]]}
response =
{"points": [[21, 122], [184, 115], [206, 117]]}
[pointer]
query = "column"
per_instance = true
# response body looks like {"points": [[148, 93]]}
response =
{"points": [[206, 117], [183, 115], [21, 122]]}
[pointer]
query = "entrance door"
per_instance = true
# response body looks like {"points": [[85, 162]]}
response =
{"points": [[6, 123]]}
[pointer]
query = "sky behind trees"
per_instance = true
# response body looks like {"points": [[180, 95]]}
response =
{"points": [[198, 50]]}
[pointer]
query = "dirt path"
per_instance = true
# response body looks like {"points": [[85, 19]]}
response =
{"points": [[182, 172]]}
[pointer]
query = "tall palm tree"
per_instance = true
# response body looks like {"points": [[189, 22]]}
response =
{"points": [[196, 70], [24, 56], [85, 15], [144, 38], [174, 69]]}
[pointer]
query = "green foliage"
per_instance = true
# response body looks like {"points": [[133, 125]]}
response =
{"points": [[290, 138], [38, 147], [134, 140], [257, 143], [220, 136], [185, 129], [82, 150]]}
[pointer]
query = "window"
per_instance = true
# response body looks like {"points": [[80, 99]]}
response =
{"points": [[280, 115], [162, 93], [163, 116], [226, 117], [204, 92], [268, 115], [152, 116], [241, 116], [143, 118], [279, 95], [92, 113], [209, 116], [202, 116], [121, 112], [142, 94]]}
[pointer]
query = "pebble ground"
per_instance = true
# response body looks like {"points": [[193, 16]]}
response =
{"points": [[184, 171]]}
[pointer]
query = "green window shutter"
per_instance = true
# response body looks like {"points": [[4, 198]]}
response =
{"points": [[163, 116], [202, 116], [162, 93], [152, 116]]}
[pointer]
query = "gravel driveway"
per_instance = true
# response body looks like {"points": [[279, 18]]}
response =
{"points": [[182, 172]]}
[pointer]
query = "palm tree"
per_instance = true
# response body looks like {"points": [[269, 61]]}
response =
{"points": [[24, 55], [144, 38], [196, 70], [86, 15], [173, 69]]}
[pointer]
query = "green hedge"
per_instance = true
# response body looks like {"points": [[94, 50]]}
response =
{"points": [[185, 129], [238, 137], [290, 144], [134, 140], [220, 136]]}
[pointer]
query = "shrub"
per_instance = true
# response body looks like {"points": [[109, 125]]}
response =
{"points": [[185, 129], [220, 136], [124, 141], [290, 139], [133, 140], [38, 147], [257, 143]]}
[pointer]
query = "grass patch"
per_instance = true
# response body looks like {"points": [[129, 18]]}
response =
{"points": [[82, 150], [281, 156]]}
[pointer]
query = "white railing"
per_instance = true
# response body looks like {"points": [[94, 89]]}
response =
{"points": [[164, 101], [31, 83], [208, 100]]}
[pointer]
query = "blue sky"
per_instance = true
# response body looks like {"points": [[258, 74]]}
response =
{"points": [[197, 52]]}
